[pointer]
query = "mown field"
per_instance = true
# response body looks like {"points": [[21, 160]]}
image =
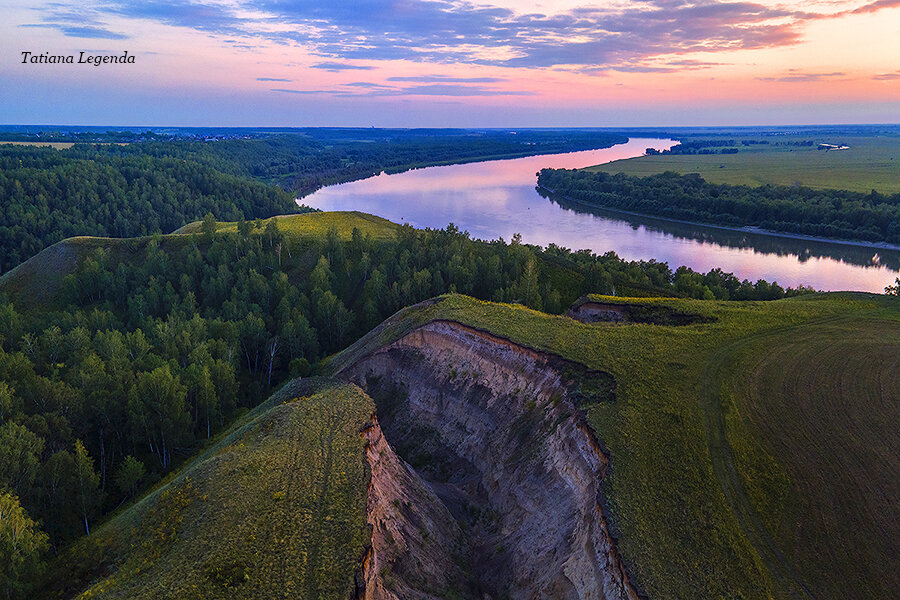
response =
{"points": [[870, 163], [705, 511], [822, 404], [274, 509]]}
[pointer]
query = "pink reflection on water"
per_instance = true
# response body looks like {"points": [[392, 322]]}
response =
{"points": [[497, 199]]}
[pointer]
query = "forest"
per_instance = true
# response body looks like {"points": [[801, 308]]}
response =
{"points": [[149, 353], [162, 182], [873, 217]]}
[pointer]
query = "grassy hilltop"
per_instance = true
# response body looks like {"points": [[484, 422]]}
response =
{"points": [[753, 455], [752, 444], [275, 506], [723, 440]]}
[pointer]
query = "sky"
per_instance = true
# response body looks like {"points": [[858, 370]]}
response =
{"points": [[450, 63]]}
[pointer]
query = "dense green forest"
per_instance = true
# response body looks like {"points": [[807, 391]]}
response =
{"points": [[48, 195], [828, 213], [148, 352], [157, 185]]}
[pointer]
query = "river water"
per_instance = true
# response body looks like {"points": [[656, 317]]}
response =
{"points": [[498, 198]]}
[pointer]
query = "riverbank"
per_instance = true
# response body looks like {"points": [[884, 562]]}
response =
{"points": [[744, 229], [303, 192]]}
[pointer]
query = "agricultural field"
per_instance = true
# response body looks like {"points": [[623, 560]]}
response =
{"points": [[869, 163], [56, 145], [822, 403]]}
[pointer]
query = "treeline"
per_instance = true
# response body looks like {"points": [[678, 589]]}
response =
{"points": [[48, 195], [826, 213], [148, 356], [160, 184], [307, 159], [703, 147]]}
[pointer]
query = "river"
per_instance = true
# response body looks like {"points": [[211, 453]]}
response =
{"points": [[498, 198]]}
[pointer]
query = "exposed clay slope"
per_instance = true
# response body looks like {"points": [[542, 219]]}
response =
{"points": [[489, 425], [414, 536], [592, 311]]}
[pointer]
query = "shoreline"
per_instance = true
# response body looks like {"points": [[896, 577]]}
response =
{"points": [[745, 229], [397, 170]]}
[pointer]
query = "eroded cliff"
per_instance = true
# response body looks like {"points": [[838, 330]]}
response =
{"points": [[499, 490]]}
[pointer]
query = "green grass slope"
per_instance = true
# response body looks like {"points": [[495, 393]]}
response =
{"points": [[274, 509], [37, 281], [870, 163], [316, 224], [717, 484]]}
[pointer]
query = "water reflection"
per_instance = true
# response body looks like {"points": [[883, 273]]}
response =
{"points": [[798, 249], [498, 198]]}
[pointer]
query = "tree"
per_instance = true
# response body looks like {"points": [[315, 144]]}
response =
{"points": [[157, 412], [58, 486], [22, 545], [8, 403], [20, 451], [87, 485], [321, 276], [206, 398], [893, 290], [129, 475], [208, 227]]}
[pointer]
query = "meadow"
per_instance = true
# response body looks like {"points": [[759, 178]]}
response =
{"points": [[275, 506], [869, 163], [773, 486], [750, 447]]}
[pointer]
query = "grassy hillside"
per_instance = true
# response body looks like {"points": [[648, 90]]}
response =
{"points": [[38, 280], [816, 409], [869, 163], [275, 507], [753, 448], [709, 511], [317, 224]]}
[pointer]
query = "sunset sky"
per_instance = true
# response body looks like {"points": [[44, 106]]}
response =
{"points": [[451, 63]]}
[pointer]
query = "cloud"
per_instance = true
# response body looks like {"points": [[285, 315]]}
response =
{"points": [[876, 6], [271, 79], [625, 37], [694, 64], [337, 66], [208, 17], [446, 79], [75, 21], [367, 84], [91, 32], [804, 77], [887, 76], [366, 89], [287, 91], [97, 33], [443, 89]]}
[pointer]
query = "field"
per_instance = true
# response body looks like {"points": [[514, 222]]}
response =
{"points": [[275, 508], [826, 485], [57, 145], [869, 163], [706, 510]]}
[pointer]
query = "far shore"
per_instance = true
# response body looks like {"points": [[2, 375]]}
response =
{"points": [[744, 229]]}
